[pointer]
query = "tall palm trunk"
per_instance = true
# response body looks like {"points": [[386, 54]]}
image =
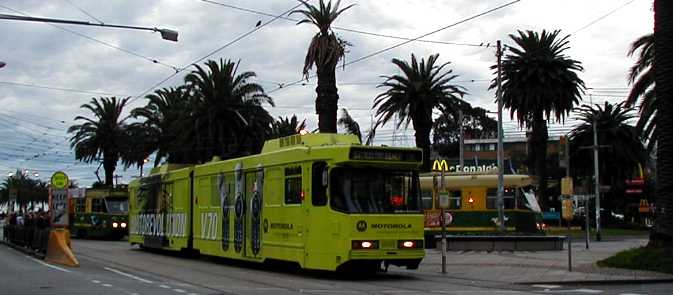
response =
{"points": [[109, 165], [538, 144], [663, 72], [422, 135], [326, 103]]}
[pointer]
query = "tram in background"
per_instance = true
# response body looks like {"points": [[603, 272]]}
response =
{"points": [[99, 213], [472, 204], [323, 201]]}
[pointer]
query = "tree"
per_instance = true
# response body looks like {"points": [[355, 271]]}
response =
{"points": [[286, 127], [663, 73], [324, 51], [414, 95], [539, 83], [228, 119], [476, 124], [166, 118], [625, 144], [102, 137], [641, 77], [27, 189], [351, 126]]}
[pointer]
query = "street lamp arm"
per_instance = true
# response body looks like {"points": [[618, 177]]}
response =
{"points": [[165, 33]]}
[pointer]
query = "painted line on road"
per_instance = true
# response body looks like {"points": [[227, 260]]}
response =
{"points": [[96, 281], [107, 285], [547, 286], [165, 286], [586, 291], [128, 275], [48, 265], [179, 290]]}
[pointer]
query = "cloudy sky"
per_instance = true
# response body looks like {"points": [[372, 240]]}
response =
{"points": [[53, 69]]}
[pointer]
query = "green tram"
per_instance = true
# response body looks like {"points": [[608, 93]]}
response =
{"points": [[322, 201], [472, 204], [99, 213]]}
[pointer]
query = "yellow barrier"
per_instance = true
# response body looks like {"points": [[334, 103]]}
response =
{"points": [[58, 248]]}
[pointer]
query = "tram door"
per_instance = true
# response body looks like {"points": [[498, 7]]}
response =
{"points": [[323, 231], [252, 213]]}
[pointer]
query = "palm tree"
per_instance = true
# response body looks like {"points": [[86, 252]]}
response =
{"points": [[325, 51], [641, 77], [27, 189], [286, 127], [539, 83], [626, 145], [104, 136], [167, 115], [413, 96], [351, 126], [228, 117], [663, 73]]}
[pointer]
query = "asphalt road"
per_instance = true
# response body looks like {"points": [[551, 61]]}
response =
{"points": [[110, 267]]}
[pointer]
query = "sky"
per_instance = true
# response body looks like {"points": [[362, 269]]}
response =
{"points": [[51, 70]]}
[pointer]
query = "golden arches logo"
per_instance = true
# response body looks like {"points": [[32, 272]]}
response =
{"points": [[440, 165]]}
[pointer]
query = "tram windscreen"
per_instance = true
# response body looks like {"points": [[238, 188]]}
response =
{"points": [[355, 190], [117, 205]]}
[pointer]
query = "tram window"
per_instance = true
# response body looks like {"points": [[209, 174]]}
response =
{"points": [[426, 199], [492, 196], [98, 206], [455, 199], [374, 191], [293, 190], [80, 205], [318, 189]]}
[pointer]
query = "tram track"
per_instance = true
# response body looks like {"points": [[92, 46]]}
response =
{"points": [[262, 279]]}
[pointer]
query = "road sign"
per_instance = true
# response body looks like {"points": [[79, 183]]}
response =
{"points": [[59, 180], [567, 186], [448, 218], [444, 200], [567, 209], [644, 206]]}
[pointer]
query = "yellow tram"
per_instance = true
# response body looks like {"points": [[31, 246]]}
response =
{"points": [[323, 201]]}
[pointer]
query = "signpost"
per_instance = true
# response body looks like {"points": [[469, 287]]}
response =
{"points": [[58, 199], [567, 213]]}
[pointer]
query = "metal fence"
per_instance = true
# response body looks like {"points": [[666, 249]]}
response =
{"points": [[30, 237]]}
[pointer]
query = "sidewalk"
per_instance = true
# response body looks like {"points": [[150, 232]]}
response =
{"points": [[541, 267]]}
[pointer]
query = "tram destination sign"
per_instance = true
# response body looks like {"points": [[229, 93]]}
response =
{"points": [[373, 154]]}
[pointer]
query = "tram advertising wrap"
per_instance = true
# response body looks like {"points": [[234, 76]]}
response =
{"points": [[323, 201]]}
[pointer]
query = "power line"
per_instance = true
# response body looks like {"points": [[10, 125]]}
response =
{"points": [[59, 88], [152, 60], [347, 29], [602, 17], [177, 71], [407, 41], [84, 11]]}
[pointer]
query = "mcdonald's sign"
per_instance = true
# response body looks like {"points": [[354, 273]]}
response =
{"points": [[442, 165]]}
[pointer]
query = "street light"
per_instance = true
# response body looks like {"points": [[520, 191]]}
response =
{"points": [[2, 64], [166, 34]]}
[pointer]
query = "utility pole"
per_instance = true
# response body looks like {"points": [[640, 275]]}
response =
{"points": [[461, 139], [597, 184], [501, 170]]}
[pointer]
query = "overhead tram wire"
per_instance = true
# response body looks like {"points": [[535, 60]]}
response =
{"points": [[177, 71], [602, 17], [405, 42], [152, 60], [84, 11], [257, 12], [59, 88]]}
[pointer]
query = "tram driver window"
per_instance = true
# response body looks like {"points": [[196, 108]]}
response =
{"points": [[293, 192], [492, 196], [98, 205]]}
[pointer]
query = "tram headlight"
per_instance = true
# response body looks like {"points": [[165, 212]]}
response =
{"points": [[123, 225], [115, 224], [365, 245], [410, 244]]}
